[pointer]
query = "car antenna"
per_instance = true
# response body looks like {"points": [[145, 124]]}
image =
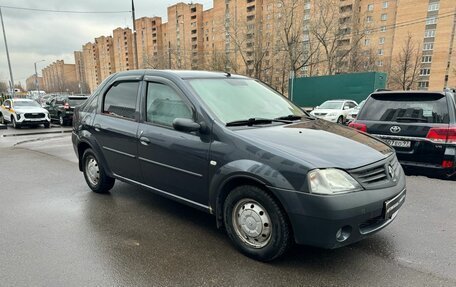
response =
{"points": [[228, 74]]}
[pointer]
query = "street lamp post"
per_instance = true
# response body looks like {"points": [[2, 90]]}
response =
{"points": [[37, 84], [7, 55]]}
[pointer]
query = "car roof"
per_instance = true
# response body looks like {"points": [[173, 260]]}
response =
{"points": [[22, 100], [183, 74]]}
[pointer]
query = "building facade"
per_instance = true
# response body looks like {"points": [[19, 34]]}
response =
{"points": [[34, 83], [60, 77]]}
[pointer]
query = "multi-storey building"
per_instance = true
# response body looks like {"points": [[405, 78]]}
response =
{"points": [[271, 39], [33, 82], [80, 71], [60, 77], [123, 49]]}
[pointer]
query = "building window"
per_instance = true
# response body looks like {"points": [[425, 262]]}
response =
{"points": [[384, 17], [370, 7], [380, 52], [369, 19], [428, 46], [306, 16], [423, 84], [429, 33], [383, 29], [385, 5], [366, 42], [425, 72], [379, 63], [433, 7], [431, 20], [426, 59], [307, 6]]}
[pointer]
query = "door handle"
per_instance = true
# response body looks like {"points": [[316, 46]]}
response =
{"points": [[97, 127], [144, 141]]}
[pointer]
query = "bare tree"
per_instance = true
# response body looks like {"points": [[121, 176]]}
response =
{"points": [[295, 36], [405, 67], [337, 36], [3, 87], [363, 60]]}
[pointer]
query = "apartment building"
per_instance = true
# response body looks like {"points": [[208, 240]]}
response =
{"points": [[268, 39], [32, 83], [60, 77], [123, 50]]}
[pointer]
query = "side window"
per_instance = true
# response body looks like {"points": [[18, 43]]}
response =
{"points": [[164, 104], [59, 101], [351, 105], [120, 100]]}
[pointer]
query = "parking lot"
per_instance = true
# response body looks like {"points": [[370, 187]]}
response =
{"points": [[55, 232]]}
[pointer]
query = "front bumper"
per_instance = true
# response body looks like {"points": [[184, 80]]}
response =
{"points": [[318, 220], [22, 120], [328, 118]]}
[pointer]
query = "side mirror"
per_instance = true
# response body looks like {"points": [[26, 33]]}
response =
{"points": [[185, 125], [316, 108], [7, 106]]}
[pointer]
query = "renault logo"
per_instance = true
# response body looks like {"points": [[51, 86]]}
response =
{"points": [[395, 129], [391, 172]]}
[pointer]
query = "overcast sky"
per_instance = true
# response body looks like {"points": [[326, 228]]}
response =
{"points": [[34, 36]]}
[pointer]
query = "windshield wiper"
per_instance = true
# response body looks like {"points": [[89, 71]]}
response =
{"points": [[255, 121], [411, 119], [289, 118]]}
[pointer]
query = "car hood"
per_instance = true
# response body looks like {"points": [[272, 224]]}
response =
{"points": [[325, 111], [320, 143], [30, 110]]}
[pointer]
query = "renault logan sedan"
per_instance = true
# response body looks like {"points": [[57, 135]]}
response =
{"points": [[229, 145]]}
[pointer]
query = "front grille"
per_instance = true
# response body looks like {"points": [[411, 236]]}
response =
{"points": [[320, 114], [34, 115], [377, 175]]}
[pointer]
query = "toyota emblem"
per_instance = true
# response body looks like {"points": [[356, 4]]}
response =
{"points": [[395, 129]]}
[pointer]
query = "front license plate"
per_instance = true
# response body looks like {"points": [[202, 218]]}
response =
{"points": [[393, 205], [398, 143]]}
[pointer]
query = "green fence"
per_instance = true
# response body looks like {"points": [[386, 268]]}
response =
{"points": [[312, 91]]}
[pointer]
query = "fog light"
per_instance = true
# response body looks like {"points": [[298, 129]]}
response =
{"points": [[343, 233]]}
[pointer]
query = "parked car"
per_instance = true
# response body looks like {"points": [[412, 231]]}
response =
{"points": [[334, 110], [61, 108], [420, 125], [351, 116], [231, 146], [24, 112]]}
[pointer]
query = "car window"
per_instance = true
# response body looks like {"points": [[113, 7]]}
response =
{"points": [[59, 101], [7, 102], [331, 105], [164, 104], [120, 100], [416, 108], [76, 101], [92, 106], [351, 105]]}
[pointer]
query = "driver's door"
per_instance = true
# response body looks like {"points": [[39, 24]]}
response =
{"points": [[172, 161]]}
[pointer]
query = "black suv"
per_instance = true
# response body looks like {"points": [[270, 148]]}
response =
{"points": [[420, 125], [231, 146], [61, 108]]}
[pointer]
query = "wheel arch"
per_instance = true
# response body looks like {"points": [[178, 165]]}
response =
{"points": [[83, 145]]}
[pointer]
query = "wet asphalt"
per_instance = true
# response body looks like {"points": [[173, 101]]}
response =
{"points": [[55, 232]]}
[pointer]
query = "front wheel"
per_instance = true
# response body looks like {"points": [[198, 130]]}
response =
{"points": [[256, 223], [61, 120], [340, 120], [95, 174], [15, 124]]}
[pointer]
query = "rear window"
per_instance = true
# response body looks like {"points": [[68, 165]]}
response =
{"points": [[406, 108], [76, 101]]}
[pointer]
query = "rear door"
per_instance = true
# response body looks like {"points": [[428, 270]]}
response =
{"points": [[116, 126], [403, 120]]}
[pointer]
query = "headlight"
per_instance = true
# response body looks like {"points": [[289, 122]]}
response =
{"points": [[333, 114], [331, 181]]}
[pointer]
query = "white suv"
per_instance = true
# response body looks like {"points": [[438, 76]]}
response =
{"points": [[21, 112], [334, 110]]}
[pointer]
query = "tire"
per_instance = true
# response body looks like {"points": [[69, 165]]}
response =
{"points": [[2, 120], [270, 234], [340, 120], [47, 125], [15, 124], [62, 121], [95, 174]]}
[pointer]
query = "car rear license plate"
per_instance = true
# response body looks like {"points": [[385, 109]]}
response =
{"points": [[392, 206], [399, 143]]}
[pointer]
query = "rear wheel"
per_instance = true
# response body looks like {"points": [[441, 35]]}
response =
{"points": [[62, 121], [2, 120], [256, 223], [95, 174]]}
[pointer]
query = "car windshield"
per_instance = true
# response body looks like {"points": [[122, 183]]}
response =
{"points": [[421, 108], [331, 105], [358, 107], [241, 99], [26, 104]]}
